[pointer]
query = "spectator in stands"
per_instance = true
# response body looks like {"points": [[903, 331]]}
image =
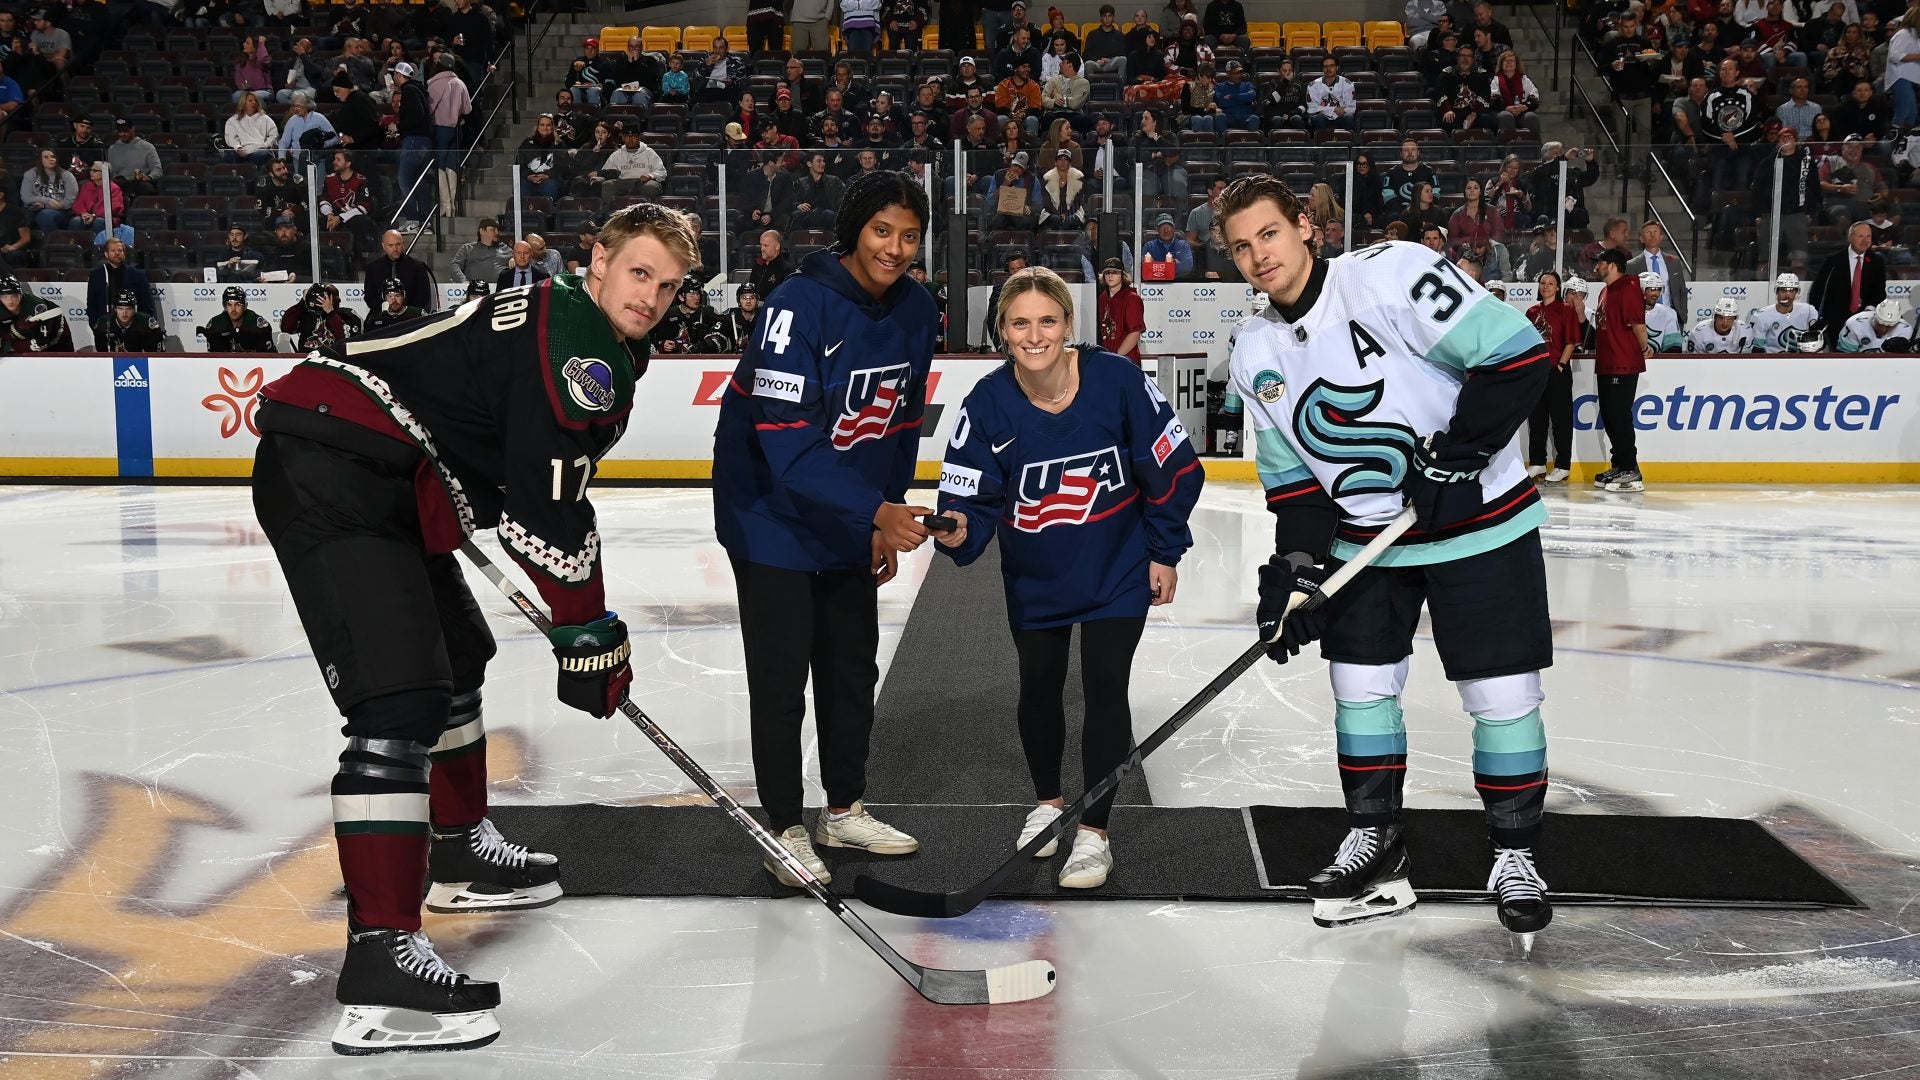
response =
{"points": [[1543, 183], [773, 265], [545, 257], [1848, 62], [588, 73], [1462, 102], [1282, 99], [1514, 97], [1682, 64], [251, 135], [1211, 257], [16, 237], [1850, 183], [1396, 186], [470, 33], [1225, 22], [976, 107], [304, 73], [1731, 116], [808, 19], [1332, 240], [82, 147], [358, 118], [413, 122], [1654, 259], [1421, 17], [789, 121], [1613, 237], [767, 195], [1159, 155], [1863, 113], [290, 253], [1368, 210], [1483, 20], [1013, 198], [580, 253], [1431, 236], [53, 45], [1424, 210], [521, 271], [1542, 253], [483, 258], [1147, 68], [1105, 50], [722, 74], [1851, 280], [1087, 244], [1903, 69], [853, 93], [1507, 194], [1495, 263], [1167, 245], [904, 20], [1473, 220], [784, 148], [766, 26], [394, 262], [1778, 44], [346, 201], [859, 26], [1060, 136], [816, 195], [1199, 111], [1056, 50], [540, 160], [1322, 206], [747, 114], [1063, 194], [281, 191], [112, 274], [1188, 51], [47, 192], [306, 133], [1797, 112], [1633, 67], [636, 78], [250, 69], [356, 62], [1057, 27], [633, 170], [1685, 118], [1880, 218], [676, 83], [237, 260], [1020, 87], [1065, 95], [930, 98], [1235, 99], [451, 103], [876, 140], [90, 210], [1015, 26]]}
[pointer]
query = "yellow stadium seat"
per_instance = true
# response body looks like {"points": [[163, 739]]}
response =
{"points": [[1385, 34], [1300, 35], [1085, 29], [1342, 34], [652, 39], [736, 38], [1263, 35], [929, 38], [698, 38]]}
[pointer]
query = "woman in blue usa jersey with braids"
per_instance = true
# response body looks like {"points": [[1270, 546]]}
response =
{"points": [[1074, 459]]}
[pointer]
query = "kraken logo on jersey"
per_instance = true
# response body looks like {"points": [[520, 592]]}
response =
{"points": [[1063, 491], [1327, 422], [1268, 385], [1790, 338], [874, 396]]}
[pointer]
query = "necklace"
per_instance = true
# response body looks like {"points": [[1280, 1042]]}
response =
{"points": [[1055, 399]]}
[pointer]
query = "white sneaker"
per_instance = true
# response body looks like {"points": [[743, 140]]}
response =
{"points": [[1556, 476], [795, 840], [1038, 819], [862, 830], [1536, 471], [1090, 863]]}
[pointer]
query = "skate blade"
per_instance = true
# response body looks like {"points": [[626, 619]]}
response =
{"points": [[1523, 944], [378, 1029], [458, 898], [1382, 902]]}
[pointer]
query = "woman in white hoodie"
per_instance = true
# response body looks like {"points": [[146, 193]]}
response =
{"points": [[251, 134]]}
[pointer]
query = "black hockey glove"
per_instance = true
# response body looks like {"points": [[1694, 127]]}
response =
{"points": [[1286, 634], [1443, 483], [594, 672]]}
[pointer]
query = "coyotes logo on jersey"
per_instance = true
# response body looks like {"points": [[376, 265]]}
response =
{"points": [[1063, 491], [874, 397]]}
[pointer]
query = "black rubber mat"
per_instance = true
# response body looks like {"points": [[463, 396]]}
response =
{"points": [[1192, 853]]}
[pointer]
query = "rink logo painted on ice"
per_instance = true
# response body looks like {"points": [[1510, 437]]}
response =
{"points": [[779, 385], [589, 383], [1680, 410], [1063, 491], [236, 402], [1329, 422], [874, 397]]}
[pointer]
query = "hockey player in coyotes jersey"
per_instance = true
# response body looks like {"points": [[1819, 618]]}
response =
{"points": [[378, 459], [1378, 378]]}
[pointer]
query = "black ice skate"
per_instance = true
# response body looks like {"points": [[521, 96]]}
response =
{"points": [[399, 995], [1521, 894], [477, 869], [1368, 878]]}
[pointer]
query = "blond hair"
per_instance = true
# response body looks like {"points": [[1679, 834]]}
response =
{"points": [[1034, 279], [672, 228]]}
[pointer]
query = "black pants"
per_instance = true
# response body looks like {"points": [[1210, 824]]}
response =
{"points": [[768, 37], [1616, 415], [1554, 410], [793, 623], [1106, 734]]}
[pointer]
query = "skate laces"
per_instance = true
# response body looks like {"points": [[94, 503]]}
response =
{"points": [[491, 846], [1514, 876], [1359, 846], [414, 953]]}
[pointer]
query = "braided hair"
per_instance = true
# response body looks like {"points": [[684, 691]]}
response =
{"points": [[871, 193]]}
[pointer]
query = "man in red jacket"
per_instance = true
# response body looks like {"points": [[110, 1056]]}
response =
{"points": [[1621, 349], [1123, 318]]}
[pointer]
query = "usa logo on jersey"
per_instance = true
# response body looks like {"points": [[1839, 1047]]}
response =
{"points": [[1064, 490], [874, 397]]}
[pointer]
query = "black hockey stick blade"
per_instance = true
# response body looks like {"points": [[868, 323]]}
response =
{"points": [[1001, 985], [933, 905]]}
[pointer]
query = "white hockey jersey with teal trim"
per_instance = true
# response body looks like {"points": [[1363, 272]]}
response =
{"points": [[1703, 338], [1856, 334], [1780, 331], [1663, 329], [1377, 362]]}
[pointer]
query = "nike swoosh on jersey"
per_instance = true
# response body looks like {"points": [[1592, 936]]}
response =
{"points": [[1004, 445], [834, 346]]}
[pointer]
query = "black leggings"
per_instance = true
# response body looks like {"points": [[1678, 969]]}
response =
{"points": [[1106, 735], [1554, 412]]}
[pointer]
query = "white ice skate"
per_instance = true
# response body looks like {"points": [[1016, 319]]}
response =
{"points": [[400, 995], [1367, 880]]}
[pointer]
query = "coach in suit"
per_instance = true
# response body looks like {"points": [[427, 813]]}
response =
{"points": [[522, 270], [1852, 280], [1654, 256]]}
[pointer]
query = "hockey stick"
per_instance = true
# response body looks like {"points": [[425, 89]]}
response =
{"points": [[993, 986], [931, 905]]}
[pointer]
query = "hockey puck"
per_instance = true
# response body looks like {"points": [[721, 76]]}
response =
{"points": [[939, 523]]}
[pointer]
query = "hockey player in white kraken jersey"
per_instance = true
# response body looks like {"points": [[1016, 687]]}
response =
{"points": [[1376, 379], [1722, 331], [1663, 325], [1779, 328], [1881, 328]]}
